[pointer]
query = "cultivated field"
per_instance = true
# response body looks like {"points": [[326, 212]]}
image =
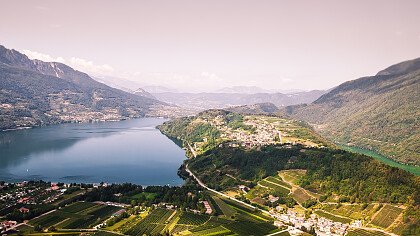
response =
{"points": [[386, 216]]}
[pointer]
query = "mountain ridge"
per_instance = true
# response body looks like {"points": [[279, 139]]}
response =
{"points": [[35, 93], [379, 112]]}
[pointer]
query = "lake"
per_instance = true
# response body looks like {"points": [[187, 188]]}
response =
{"points": [[113, 152]]}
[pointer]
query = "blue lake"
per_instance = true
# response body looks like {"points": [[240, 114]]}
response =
{"points": [[113, 152]]}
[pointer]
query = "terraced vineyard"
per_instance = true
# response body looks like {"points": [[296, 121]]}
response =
{"points": [[332, 217], [386, 216], [356, 211]]}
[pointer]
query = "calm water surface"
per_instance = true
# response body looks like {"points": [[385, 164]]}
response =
{"points": [[113, 152]]}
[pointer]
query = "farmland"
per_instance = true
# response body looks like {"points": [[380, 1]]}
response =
{"points": [[363, 232], [386, 216], [332, 217], [300, 195], [235, 219], [75, 216]]}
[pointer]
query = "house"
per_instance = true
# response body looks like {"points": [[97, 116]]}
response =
{"points": [[24, 210]]}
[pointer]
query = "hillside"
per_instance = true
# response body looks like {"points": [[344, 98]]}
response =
{"points": [[379, 113], [33, 92]]}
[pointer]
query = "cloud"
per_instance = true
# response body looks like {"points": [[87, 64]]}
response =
{"points": [[42, 56], [77, 63], [90, 67]]}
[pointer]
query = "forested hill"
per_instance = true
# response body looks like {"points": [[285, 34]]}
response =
{"points": [[379, 113], [33, 92]]}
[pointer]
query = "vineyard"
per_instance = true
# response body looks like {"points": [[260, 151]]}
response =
{"points": [[188, 218], [78, 207], [70, 217], [278, 189], [279, 182], [362, 232], [332, 217], [152, 224], [300, 196], [386, 216]]}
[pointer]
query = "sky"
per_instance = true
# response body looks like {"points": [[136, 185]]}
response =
{"points": [[205, 45]]}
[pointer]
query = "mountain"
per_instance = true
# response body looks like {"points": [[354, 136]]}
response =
{"points": [[33, 92], [242, 89], [204, 101], [143, 93], [379, 113]]}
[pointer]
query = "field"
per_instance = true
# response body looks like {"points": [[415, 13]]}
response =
{"points": [[188, 218], [78, 207], [277, 189], [78, 215], [386, 216], [227, 211], [235, 219], [300, 196], [152, 224], [332, 217], [291, 176], [278, 181], [362, 232], [354, 211]]}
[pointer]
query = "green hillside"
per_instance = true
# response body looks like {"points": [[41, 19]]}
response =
{"points": [[379, 113]]}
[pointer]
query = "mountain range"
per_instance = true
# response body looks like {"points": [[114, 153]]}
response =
{"points": [[204, 101], [34, 92], [379, 113]]}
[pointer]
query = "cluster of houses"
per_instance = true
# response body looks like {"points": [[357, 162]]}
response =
{"points": [[320, 225], [6, 225]]}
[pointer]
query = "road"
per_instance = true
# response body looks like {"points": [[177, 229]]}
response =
{"points": [[222, 194]]}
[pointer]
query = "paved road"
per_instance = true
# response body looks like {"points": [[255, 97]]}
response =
{"points": [[220, 193]]}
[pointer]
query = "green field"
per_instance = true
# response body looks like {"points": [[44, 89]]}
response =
{"points": [[278, 190], [386, 216], [332, 217], [355, 211], [279, 182], [227, 211], [71, 217], [188, 218], [78, 207], [362, 232], [152, 224]]}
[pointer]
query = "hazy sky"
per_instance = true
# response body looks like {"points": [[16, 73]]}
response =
{"points": [[204, 45]]}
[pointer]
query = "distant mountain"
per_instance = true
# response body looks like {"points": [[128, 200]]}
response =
{"points": [[119, 83], [204, 101], [380, 112], [255, 109], [243, 89], [143, 93], [33, 92], [159, 89]]}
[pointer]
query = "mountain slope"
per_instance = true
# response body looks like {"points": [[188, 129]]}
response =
{"points": [[33, 92], [380, 112]]}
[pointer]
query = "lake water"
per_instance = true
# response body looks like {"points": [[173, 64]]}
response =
{"points": [[113, 152]]}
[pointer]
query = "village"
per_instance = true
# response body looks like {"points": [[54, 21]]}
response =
{"points": [[319, 225]]}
